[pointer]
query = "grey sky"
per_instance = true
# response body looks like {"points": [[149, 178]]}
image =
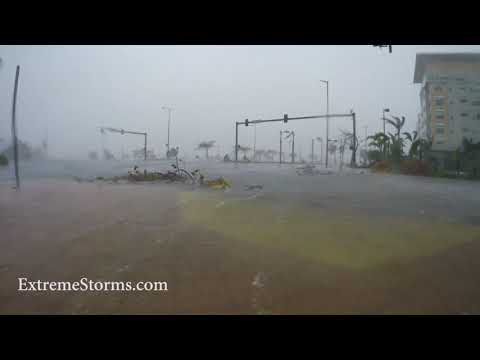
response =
{"points": [[73, 89]]}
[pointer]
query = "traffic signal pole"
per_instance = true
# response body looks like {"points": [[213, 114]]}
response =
{"points": [[285, 119]]}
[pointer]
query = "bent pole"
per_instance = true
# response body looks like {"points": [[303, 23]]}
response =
{"points": [[14, 129]]}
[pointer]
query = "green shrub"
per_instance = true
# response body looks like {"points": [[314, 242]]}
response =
{"points": [[3, 160], [414, 167], [382, 166], [374, 156]]}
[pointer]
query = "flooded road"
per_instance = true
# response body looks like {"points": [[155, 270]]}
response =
{"points": [[346, 243]]}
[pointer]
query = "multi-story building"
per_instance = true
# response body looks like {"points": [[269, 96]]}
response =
{"points": [[450, 99]]}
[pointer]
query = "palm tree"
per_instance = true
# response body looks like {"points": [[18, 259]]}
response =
{"points": [[412, 139], [395, 147], [418, 148], [347, 139], [397, 123], [380, 141], [206, 145]]}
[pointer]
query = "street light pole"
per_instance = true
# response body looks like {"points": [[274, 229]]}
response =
{"points": [[293, 147], [280, 146], [169, 109], [384, 111], [328, 112], [14, 129], [254, 140], [313, 141]]}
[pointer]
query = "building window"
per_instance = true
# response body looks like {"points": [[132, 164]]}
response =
{"points": [[476, 102], [475, 90], [464, 114], [463, 100], [439, 100], [440, 130], [478, 116]]}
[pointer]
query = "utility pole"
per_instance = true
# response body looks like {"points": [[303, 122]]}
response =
{"points": [[328, 112], [14, 129]]}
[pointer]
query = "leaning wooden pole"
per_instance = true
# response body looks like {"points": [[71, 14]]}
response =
{"points": [[14, 129]]}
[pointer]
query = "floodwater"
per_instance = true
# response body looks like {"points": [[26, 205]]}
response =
{"points": [[346, 243]]}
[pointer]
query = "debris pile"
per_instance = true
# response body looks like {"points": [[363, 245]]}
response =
{"points": [[178, 175], [253, 187], [311, 169], [307, 170]]}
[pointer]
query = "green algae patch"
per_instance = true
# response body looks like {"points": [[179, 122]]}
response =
{"points": [[354, 242]]}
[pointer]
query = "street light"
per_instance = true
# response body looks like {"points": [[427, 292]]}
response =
{"points": [[326, 157], [384, 111], [169, 109]]}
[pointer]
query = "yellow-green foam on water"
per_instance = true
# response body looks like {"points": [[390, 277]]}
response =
{"points": [[355, 242]]}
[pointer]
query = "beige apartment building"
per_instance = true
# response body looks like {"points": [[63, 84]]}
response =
{"points": [[450, 99]]}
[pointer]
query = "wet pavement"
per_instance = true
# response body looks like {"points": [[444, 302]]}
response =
{"points": [[346, 243]]}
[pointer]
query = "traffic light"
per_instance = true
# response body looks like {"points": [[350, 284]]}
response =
{"points": [[285, 118], [246, 122]]}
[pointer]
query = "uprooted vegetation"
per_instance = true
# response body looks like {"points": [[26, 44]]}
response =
{"points": [[178, 175]]}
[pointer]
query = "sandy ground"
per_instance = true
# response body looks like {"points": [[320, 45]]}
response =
{"points": [[348, 243]]}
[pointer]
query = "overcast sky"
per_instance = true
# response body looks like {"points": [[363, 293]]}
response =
{"points": [[68, 91]]}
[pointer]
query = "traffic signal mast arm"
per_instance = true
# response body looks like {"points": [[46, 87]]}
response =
{"points": [[286, 118], [121, 131]]}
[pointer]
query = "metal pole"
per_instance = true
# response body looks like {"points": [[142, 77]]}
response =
{"points": [[14, 129], [354, 160], [328, 125], [366, 146], [313, 140], [145, 146], [254, 140], [168, 133], [280, 146], [383, 121], [321, 152], [293, 147], [236, 142]]}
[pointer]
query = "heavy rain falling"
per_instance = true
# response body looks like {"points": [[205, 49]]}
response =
{"points": [[239, 179]]}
